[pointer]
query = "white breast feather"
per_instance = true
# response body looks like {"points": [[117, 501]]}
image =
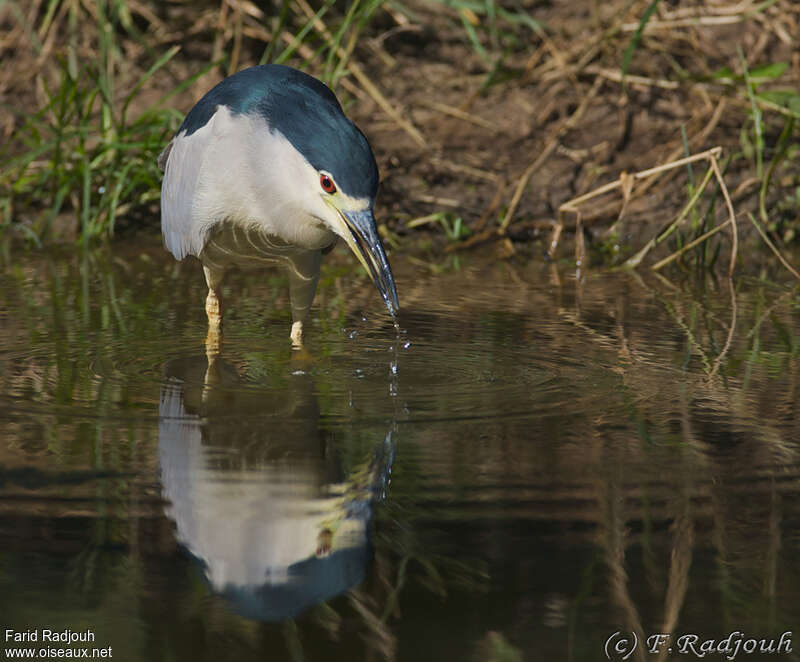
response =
{"points": [[235, 169]]}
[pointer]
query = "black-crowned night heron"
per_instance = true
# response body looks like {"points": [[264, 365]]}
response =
{"points": [[267, 169]]}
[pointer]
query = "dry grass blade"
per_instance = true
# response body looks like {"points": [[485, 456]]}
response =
{"points": [[712, 156], [572, 205], [697, 139], [460, 114], [635, 260], [461, 169], [731, 331], [679, 568], [771, 246], [671, 258], [731, 215], [386, 106], [364, 80], [627, 183], [630, 79], [702, 16]]}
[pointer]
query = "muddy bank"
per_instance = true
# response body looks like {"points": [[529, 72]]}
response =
{"points": [[484, 122]]}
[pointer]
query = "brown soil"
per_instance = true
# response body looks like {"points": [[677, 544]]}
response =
{"points": [[472, 167]]}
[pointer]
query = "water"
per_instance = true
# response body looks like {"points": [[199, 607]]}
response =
{"points": [[530, 466]]}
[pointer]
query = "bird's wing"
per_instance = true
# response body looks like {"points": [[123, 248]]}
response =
{"points": [[162, 158], [182, 161]]}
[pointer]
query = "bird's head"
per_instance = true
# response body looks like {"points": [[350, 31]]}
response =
{"points": [[351, 217], [338, 179]]}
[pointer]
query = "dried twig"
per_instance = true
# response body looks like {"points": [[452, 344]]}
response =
{"points": [[712, 155], [572, 205]]}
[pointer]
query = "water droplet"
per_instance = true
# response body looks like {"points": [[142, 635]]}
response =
{"points": [[353, 334], [393, 367], [101, 190], [407, 344]]}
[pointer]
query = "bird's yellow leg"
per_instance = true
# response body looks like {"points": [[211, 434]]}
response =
{"points": [[213, 343], [303, 276], [213, 304], [212, 376], [213, 309], [296, 335]]}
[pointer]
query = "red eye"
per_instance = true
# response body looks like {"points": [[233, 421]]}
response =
{"points": [[326, 183]]}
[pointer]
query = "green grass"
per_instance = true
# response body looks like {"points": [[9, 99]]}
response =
{"points": [[85, 156]]}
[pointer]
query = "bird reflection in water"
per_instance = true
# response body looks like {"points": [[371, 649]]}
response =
{"points": [[256, 491]]}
